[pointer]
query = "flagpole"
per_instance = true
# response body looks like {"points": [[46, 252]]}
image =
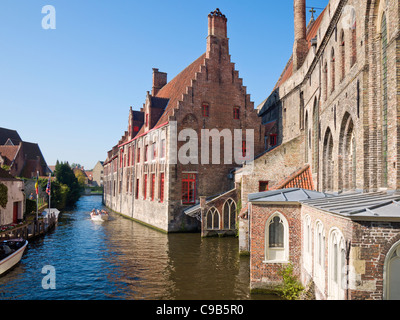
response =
{"points": [[37, 195], [49, 191]]}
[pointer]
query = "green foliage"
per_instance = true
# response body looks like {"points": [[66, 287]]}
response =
{"points": [[3, 195], [65, 190], [30, 206], [291, 288], [5, 167]]}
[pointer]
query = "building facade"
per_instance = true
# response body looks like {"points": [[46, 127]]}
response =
{"points": [[159, 168], [336, 114], [13, 190]]}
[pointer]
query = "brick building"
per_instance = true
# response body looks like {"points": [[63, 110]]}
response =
{"points": [[143, 176], [21, 158], [337, 123]]}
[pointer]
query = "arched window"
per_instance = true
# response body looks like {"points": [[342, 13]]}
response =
{"points": [[307, 146], [353, 37], [307, 247], [325, 76], [384, 103], [347, 155], [391, 273], [319, 255], [336, 266], [229, 215], [213, 219], [315, 135], [342, 56], [277, 239], [333, 70], [328, 161]]}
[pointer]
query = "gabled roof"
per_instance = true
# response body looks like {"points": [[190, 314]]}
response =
{"points": [[174, 89], [8, 153], [6, 134]]}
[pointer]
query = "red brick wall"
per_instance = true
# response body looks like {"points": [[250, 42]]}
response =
{"points": [[266, 275]]}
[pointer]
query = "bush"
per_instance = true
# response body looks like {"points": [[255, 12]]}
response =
{"points": [[291, 288]]}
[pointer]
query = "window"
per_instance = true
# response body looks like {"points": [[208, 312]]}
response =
{"points": [[333, 70], [146, 153], [307, 243], [213, 219], [188, 188], [162, 187], [273, 138], [206, 110], [137, 189], [129, 156], [354, 39], [121, 158], [384, 102], [319, 255], [152, 187], [147, 119], [391, 271], [276, 239], [262, 186], [229, 215], [162, 148], [236, 113], [343, 55], [145, 187], [244, 148], [336, 265], [154, 151]]}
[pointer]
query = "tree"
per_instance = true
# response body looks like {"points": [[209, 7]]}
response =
{"points": [[65, 176]]}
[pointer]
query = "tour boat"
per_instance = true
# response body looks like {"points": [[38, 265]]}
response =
{"points": [[11, 252], [101, 216]]}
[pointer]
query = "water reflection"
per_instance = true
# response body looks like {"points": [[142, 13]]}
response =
{"points": [[121, 259]]}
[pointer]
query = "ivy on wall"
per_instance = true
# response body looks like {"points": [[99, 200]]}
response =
{"points": [[3, 195]]}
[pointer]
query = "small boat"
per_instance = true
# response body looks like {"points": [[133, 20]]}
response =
{"points": [[99, 215], [11, 252]]}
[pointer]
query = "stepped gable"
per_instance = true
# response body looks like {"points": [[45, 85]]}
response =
{"points": [[175, 89]]}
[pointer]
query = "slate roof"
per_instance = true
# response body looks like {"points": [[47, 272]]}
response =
{"points": [[6, 134], [361, 205]]}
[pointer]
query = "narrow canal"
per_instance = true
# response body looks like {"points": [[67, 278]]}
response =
{"points": [[121, 259]]}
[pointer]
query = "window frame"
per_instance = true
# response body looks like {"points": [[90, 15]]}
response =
{"points": [[283, 252]]}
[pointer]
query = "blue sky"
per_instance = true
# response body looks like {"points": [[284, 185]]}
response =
{"points": [[70, 89]]}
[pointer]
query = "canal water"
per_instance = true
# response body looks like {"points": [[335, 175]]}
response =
{"points": [[121, 259]]}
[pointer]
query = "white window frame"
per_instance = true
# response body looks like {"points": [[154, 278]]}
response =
{"points": [[270, 254]]}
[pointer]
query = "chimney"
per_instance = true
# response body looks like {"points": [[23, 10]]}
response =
{"points": [[217, 24], [159, 81], [300, 47]]}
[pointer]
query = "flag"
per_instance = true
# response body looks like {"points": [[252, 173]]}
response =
{"points": [[48, 188], [37, 184]]}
